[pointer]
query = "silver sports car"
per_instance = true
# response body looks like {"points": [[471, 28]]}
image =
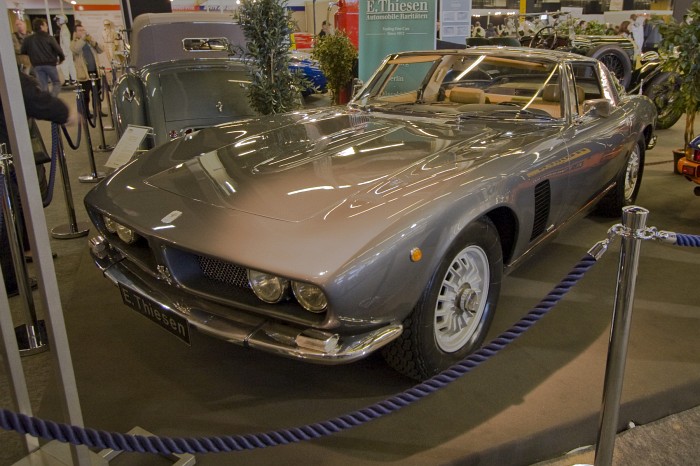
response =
{"points": [[325, 235]]}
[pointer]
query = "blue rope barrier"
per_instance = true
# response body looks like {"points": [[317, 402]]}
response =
{"points": [[687, 240], [46, 200], [36, 427], [77, 138]]}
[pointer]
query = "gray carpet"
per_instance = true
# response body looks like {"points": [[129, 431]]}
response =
{"points": [[536, 400]]}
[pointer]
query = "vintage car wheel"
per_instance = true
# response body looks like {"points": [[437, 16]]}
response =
{"points": [[457, 306], [661, 92], [627, 187], [616, 60]]}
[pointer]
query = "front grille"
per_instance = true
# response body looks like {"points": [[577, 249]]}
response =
{"points": [[224, 272]]}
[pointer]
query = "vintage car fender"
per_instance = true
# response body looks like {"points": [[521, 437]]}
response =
{"points": [[129, 102]]}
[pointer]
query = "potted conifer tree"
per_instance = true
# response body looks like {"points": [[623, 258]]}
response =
{"points": [[267, 26]]}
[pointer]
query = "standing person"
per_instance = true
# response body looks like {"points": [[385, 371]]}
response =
{"points": [[17, 39], [67, 67], [325, 30], [44, 106], [85, 50], [636, 29], [44, 54], [109, 40]]}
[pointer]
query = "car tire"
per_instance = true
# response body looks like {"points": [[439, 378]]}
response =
{"points": [[616, 60], [662, 92], [627, 186], [455, 311]]}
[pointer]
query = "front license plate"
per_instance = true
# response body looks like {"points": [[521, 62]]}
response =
{"points": [[173, 323]]}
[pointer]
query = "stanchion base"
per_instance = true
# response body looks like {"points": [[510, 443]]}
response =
{"points": [[57, 453], [178, 459], [102, 148], [69, 232], [92, 178], [31, 339]]}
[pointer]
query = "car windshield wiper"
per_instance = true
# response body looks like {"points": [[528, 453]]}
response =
{"points": [[500, 113]]}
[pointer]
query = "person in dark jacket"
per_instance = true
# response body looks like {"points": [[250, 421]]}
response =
{"points": [[44, 54], [41, 105]]}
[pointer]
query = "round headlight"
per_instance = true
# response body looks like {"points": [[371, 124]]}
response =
{"points": [[309, 296], [110, 224], [267, 287], [126, 234]]}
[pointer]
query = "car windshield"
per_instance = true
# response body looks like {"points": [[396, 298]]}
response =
{"points": [[470, 85]]}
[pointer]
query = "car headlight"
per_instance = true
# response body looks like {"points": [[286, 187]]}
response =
{"points": [[309, 296], [267, 287], [127, 235], [110, 224]]}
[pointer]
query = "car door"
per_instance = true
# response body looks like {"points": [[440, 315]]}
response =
{"points": [[598, 143]]}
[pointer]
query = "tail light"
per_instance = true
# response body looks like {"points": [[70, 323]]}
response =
{"points": [[696, 155]]}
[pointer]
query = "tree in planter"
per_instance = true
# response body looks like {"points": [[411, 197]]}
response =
{"points": [[680, 50], [266, 25], [336, 56]]}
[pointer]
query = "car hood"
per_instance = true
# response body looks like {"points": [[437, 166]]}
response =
{"points": [[295, 171]]}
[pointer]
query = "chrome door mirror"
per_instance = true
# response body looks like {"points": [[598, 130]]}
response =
{"points": [[597, 107]]}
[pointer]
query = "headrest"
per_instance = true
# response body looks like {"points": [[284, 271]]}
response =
{"points": [[467, 95], [551, 93]]}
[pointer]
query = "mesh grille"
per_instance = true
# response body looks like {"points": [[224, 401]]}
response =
{"points": [[225, 272]]}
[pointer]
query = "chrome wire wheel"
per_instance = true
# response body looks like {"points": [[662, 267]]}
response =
{"points": [[462, 299], [632, 173]]}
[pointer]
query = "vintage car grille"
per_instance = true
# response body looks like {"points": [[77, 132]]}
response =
{"points": [[225, 272]]}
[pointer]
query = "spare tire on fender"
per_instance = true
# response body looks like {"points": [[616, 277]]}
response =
{"points": [[616, 60]]}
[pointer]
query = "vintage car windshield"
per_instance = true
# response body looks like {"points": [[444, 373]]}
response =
{"points": [[475, 85]]}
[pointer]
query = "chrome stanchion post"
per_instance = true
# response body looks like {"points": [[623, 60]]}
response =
{"points": [[31, 336], [73, 229], [633, 221], [94, 176], [98, 115], [108, 95]]}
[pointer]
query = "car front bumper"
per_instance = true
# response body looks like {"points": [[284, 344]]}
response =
{"points": [[169, 306]]}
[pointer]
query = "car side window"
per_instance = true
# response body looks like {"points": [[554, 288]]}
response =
{"points": [[587, 84]]}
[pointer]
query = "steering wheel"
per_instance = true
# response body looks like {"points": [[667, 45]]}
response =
{"points": [[544, 40]]}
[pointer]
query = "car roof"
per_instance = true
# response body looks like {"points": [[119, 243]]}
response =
{"points": [[157, 37]]}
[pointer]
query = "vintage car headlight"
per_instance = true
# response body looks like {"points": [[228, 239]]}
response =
{"points": [[127, 235], [267, 287], [309, 296], [110, 224]]}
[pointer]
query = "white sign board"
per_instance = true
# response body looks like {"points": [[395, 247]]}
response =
{"points": [[128, 145]]}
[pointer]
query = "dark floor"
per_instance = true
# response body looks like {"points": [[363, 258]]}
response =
{"points": [[534, 401]]}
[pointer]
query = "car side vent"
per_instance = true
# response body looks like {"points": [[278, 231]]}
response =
{"points": [[542, 203]]}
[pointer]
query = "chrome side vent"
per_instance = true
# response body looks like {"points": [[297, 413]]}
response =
{"points": [[543, 200]]}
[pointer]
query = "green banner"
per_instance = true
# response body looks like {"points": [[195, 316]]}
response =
{"points": [[389, 26]]}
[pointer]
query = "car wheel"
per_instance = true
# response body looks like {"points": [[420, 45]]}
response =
{"points": [[616, 60], [456, 308], [628, 183], [662, 92]]}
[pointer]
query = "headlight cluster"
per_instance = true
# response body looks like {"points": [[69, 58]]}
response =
{"points": [[125, 234], [273, 289]]}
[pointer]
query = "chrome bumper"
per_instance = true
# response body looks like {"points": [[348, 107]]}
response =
{"points": [[308, 344]]}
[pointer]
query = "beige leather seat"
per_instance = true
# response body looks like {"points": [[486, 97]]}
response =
{"points": [[467, 95]]}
